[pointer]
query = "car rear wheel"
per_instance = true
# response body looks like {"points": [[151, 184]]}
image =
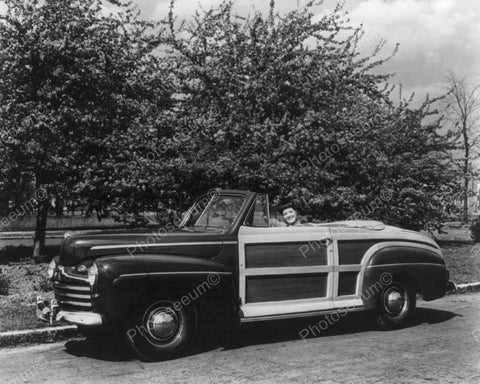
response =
{"points": [[397, 302], [162, 330]]}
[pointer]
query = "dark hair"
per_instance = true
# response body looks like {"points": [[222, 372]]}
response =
{"points": [[285, 205]]}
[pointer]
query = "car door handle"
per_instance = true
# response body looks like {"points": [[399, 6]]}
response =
{"points": [[325, 241]]}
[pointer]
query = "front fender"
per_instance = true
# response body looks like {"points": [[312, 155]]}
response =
{"points": [[126, 282]]}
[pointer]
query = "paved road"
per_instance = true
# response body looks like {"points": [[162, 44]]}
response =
{"points": [[441, 345]]}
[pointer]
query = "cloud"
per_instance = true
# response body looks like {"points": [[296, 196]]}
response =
{"points": [[434, 36], [3, 8]]}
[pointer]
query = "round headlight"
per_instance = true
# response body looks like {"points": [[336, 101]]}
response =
{"points": [[51, 269]]}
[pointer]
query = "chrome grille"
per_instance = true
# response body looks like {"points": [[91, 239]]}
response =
{"points": [[72, 293]]}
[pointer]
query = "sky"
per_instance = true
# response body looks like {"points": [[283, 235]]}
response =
{"points": [[435, 36]]}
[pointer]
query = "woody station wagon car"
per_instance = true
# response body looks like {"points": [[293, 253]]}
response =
{"points": [[225, 266]]}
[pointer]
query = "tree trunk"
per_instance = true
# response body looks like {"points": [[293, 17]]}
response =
{"points": [[40, 228], [466, 169], [465, 200]]}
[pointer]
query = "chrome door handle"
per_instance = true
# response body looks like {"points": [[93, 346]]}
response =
{"points": [[325, 241]]}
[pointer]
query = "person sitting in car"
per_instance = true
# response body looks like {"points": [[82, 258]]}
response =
{"points": [[290, 216]]}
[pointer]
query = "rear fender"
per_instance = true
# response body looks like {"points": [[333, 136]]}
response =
{"points": [[419, 266]]}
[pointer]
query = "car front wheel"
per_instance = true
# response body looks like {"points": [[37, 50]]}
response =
{"points": [[397, 302], [162, 330]]}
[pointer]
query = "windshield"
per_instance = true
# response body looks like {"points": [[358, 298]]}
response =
{"points": [[219, 211]]}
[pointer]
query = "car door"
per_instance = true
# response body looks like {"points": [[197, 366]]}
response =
{"points": [[284, 271]]}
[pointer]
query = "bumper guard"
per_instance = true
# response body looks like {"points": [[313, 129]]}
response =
{"points": [[50, 313]]}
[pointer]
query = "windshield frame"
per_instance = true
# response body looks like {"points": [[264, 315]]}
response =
{"points": [[207, 206], [252, 209]]}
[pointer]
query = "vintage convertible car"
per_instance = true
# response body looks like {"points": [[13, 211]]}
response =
{"points": [[225, 266]]}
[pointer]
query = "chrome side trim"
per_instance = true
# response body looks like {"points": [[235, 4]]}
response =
{"points": [[146, 245], [404, 264], [170, 274], [275, 271], [81, 318]]}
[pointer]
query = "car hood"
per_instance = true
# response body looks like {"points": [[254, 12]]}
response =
{"points": [[78, 246]]}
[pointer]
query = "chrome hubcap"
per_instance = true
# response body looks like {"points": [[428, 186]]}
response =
{"points": [[162, 323], [394, 302]]}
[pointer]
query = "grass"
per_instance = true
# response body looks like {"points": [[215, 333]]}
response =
{"points": [[27, 281], [463, 262], [18, 308]]}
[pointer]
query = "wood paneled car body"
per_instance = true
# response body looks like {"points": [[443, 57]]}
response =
{"points": [[224, 266]]}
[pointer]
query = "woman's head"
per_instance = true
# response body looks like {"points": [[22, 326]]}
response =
{"points": [[289, 213]]}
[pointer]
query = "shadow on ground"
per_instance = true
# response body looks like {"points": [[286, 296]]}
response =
{"points": [[317, 327], [261, 333], [107, 350]]}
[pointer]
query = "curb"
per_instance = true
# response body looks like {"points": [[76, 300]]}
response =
{"points": [[469, 287], [37, 336]]}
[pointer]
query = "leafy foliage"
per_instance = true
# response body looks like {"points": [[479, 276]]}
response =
{"points": [[74, 82], [287, 105], [133, 117]]}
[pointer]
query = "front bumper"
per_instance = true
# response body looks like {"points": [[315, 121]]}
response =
{"points": [[50, 312], [73, 300], [80, 318]]}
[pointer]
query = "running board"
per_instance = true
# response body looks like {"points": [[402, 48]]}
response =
{"points": [[301, 314]]}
